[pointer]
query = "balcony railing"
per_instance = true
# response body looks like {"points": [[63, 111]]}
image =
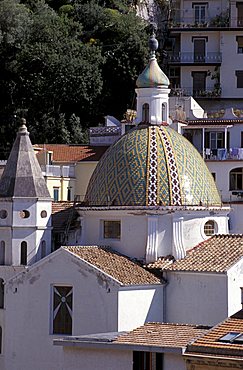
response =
{"points": [[189, 91], [191, 22], [188, 57], [58, 171], [105, 131]]}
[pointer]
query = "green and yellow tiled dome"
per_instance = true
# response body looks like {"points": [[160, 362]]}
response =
{"points": [[149, 166]]}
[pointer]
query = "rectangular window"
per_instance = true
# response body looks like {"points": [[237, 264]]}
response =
{"points": [[199, 50], [199, 83], [200, 12], [214, 175], [239, 6], [62, 306], [216, 140], [239, 76], [56, 194], [69, 194], [239, 40], [147, 361], [112, 230]]}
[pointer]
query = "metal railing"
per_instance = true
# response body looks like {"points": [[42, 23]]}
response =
{"points": [[105, 131], [189, 57], [189, 91]]}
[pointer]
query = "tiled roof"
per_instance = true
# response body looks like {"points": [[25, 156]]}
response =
{"points": [[161, 263], [73, 153], [114, 264], [163, 335], [210, 344], [216, 254]]}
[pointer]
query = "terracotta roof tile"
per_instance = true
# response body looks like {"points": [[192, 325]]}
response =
{"points": [[73, 153], [61, 213], [161, 263], [114, 264], [216, 254], [210, 344], [163, 335]]}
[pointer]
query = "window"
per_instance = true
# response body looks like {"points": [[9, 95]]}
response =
{"points": [[216, 140], [199, 82], [112, 229], [3, 214], [199, 50], [239, 6], [210, 228], [23, 253], [232, 337], [1, 293], [147, 361], [214, 175], [239, 40], [200, 12], [69, 194], [2, 252], [24, 214], [236, 177], [62, 307], [43, 214], [56, 194], [43, 248], [239, 77], [145, 113], [163, 108]]}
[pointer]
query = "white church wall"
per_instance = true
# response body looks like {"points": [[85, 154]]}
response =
{"points": [[96, 359], [139, 305], [236, 220], [94, 309], [235, 278], [196, 298]]}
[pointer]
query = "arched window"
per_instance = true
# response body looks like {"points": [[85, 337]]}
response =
{"points": [[1, 293], [236, 179], [210, 228], [2, 252], [43, 248], [145, 113], [163, 112], [23, 253]]}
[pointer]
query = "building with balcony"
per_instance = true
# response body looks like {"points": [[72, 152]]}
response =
{"points": [[205, 51]]}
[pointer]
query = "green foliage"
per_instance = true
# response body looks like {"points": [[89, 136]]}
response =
{"points": [[65, 59]]}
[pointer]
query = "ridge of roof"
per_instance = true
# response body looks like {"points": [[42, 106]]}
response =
{"points": [[118, 266]]}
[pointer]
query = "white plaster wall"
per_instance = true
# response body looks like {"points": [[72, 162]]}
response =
{"points": [[172, 362], [187, 80], [235, 278], [95, 359], [196, 298], [212, 45], [231, 58], [137, 306], [235, 219], [29, 339]]}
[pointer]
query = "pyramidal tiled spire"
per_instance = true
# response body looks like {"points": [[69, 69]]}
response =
{"points": [[22, 176]]}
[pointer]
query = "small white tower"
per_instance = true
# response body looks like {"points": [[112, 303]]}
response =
{"points": [[25, 206], [152, 91]]}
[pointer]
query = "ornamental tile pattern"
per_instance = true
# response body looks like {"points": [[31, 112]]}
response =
{"points": [[175, 192], [152, 166]]}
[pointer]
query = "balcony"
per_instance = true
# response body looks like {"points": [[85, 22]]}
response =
{"points": [[58, 171], [192, 58], [222, 154], [188, 91], [221, 20]]}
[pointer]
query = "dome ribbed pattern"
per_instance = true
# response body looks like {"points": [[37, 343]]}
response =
{"points": [[149, 166]]}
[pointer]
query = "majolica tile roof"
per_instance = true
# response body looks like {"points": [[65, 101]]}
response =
{"points": [[152, 166], [210, 343], [73, 153], [163, 335], [216, 254], [114, 264]]}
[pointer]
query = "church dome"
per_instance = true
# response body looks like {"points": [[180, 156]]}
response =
{"points": [[152, 76], [149, 166]]}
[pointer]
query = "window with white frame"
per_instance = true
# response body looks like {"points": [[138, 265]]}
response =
{"points": [[112, 229], [56, 194], [62, 307], [2, 252], [210, 228], [200, 12], [23, 253], [145, 112]]}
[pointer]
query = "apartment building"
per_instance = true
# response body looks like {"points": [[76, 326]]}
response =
{"points": [[205, 52]]}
